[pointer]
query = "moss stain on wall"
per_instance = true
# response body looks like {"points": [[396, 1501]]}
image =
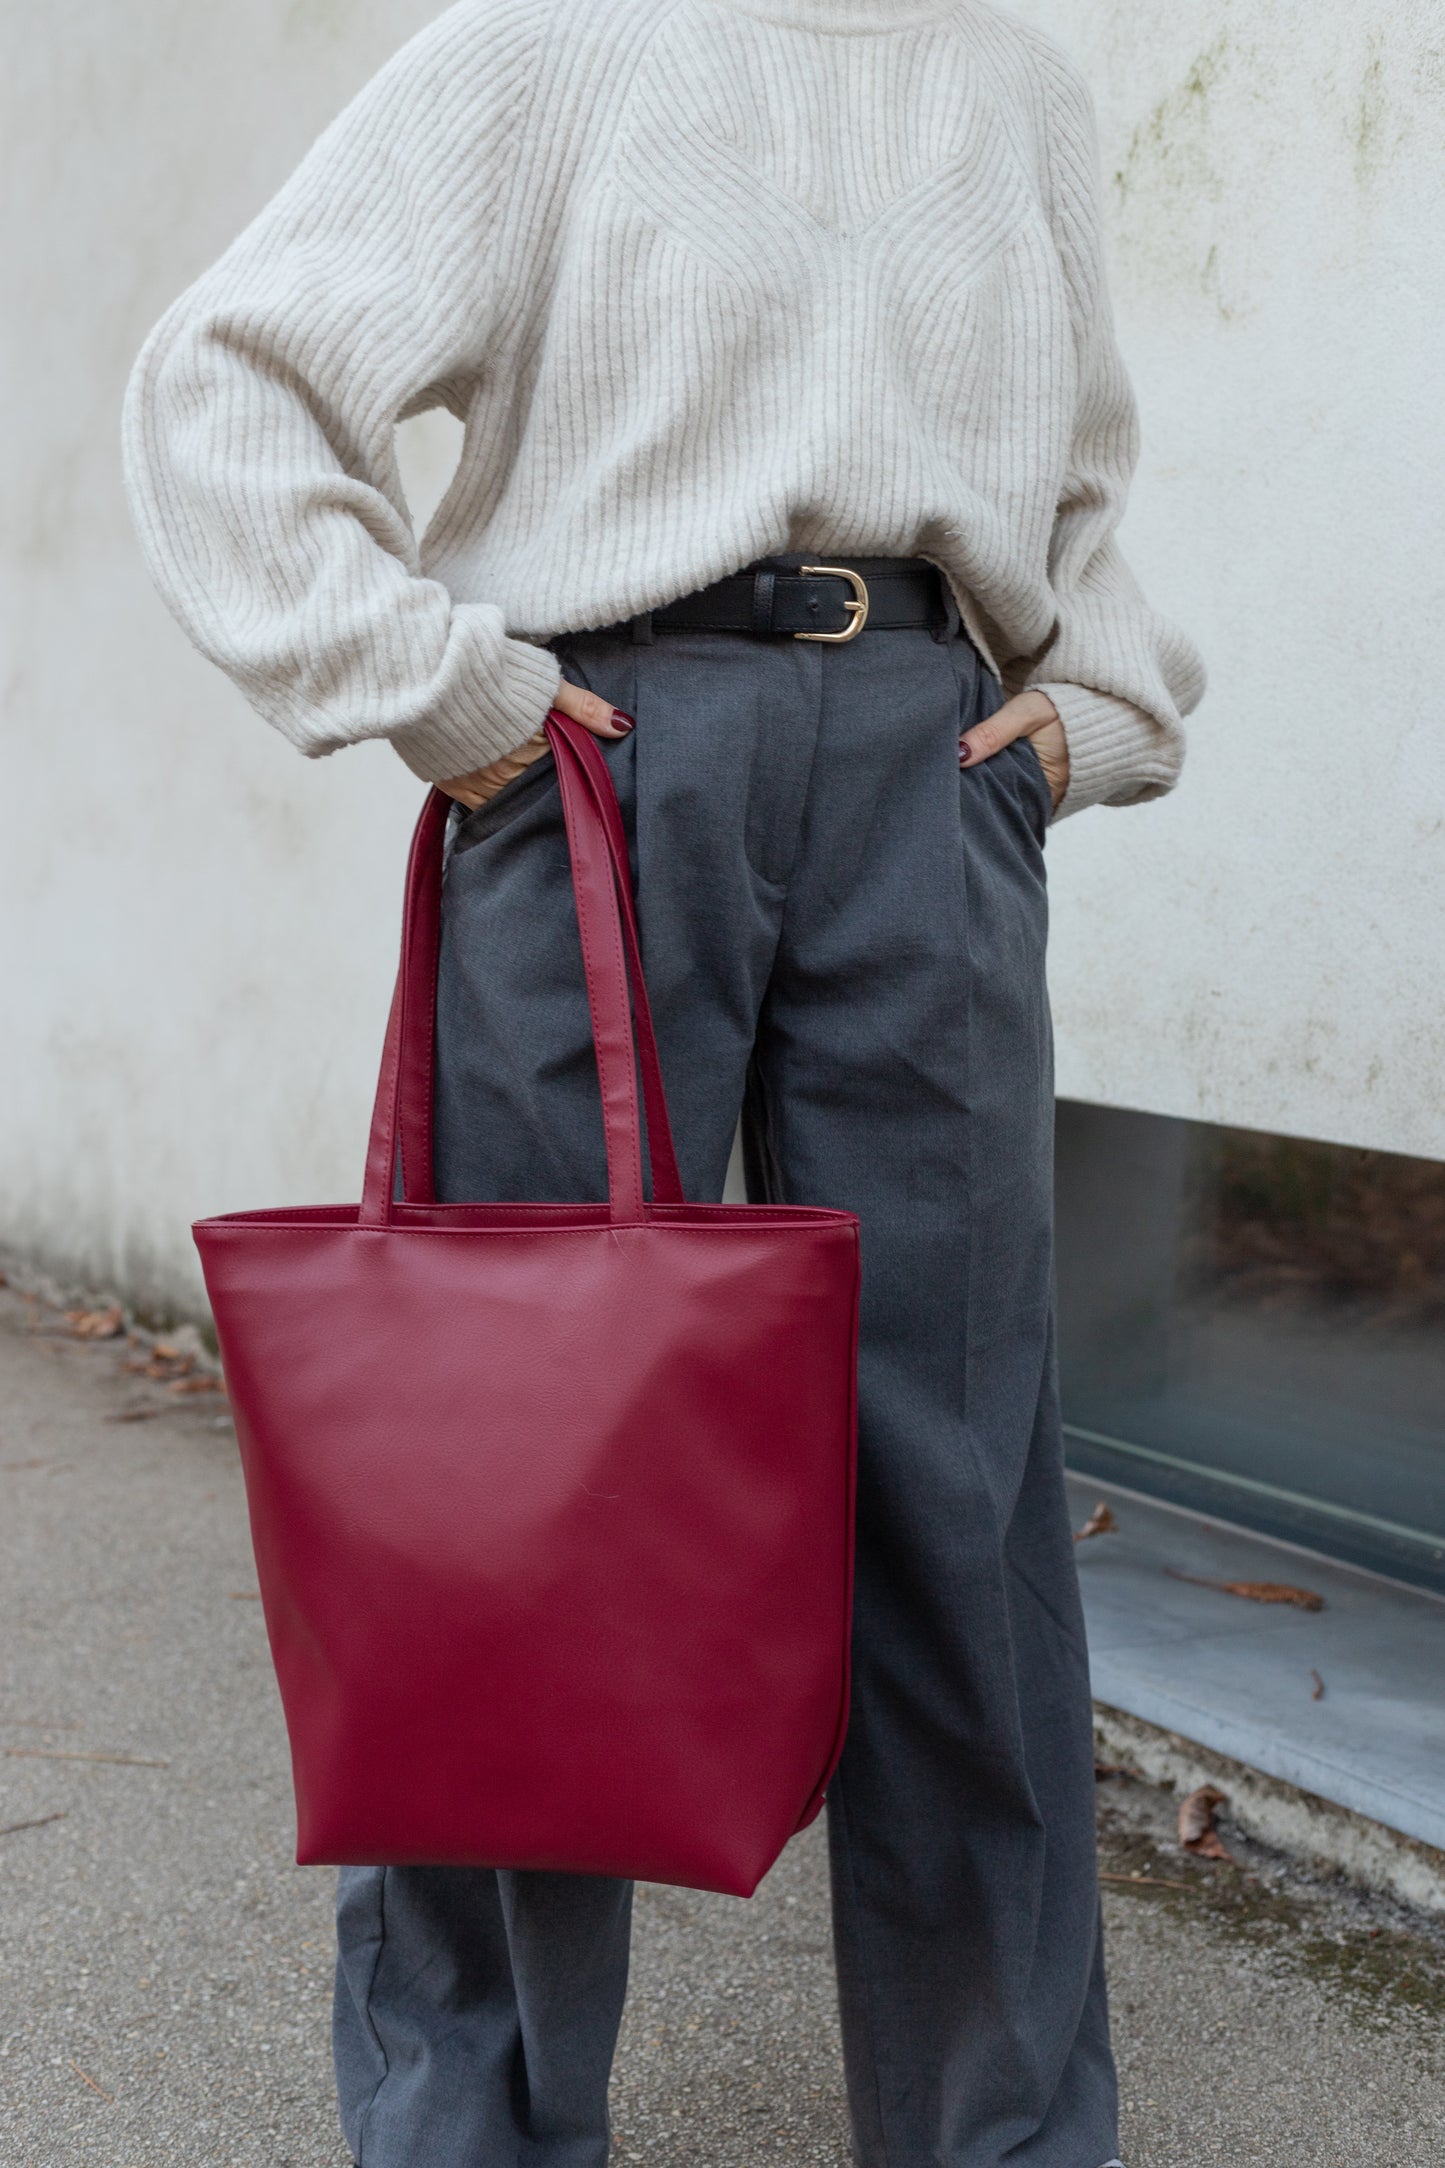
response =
{"points": [[318, 22], [1169, 181], [1368, 128], [1201, 206], [1168, 146]]}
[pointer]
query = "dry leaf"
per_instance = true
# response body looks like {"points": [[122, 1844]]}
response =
{"points": [[161, 1366], [57, 1753], [1303, 1599], [1145, 1881], [95, 1324], [1101, 1522], [1103, 1769], [196, 1385], [41, 1821], [1318, 1693], [1197, 1832]]}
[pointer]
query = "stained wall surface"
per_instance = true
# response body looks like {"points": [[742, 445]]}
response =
{"points": [[201, 925], [1266, 946]]}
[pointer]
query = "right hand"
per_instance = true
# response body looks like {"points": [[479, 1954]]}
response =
{"points": [[594, 714]]}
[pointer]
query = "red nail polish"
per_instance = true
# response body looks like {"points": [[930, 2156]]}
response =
{"points": [[965, 752], [621, 720]]}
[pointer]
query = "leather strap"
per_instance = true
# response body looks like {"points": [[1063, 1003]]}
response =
{"points": [[411, 1020], [904, 593], [601, 881], [666, 1181], [604, 967]]}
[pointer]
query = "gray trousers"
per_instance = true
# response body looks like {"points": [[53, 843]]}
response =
{"points": [[844, 938]]}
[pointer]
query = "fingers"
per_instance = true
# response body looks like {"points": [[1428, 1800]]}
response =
{"points": [[986, 739], [484, 783], [1052, 747], [595, 714], [1025, 712], [465, 789]]}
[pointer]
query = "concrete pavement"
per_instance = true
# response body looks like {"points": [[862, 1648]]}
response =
{"points": [[165, 1970]]}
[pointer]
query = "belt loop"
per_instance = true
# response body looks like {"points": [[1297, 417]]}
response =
{"points": [[642, 632], [764, 585], [953, 618]]}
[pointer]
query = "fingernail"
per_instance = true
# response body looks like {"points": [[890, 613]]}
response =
{"points": [[965, 752], [621, 720]]}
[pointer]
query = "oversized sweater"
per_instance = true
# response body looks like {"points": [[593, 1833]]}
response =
{"points": [[705, 281]]}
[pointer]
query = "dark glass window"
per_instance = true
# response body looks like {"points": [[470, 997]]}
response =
{"points": [[1254, 1326]]}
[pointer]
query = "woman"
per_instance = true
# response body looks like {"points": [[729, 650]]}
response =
{"points": [[723, 290]]}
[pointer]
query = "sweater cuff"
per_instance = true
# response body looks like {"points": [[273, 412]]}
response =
{"points": [[485, 712], [1118, 755]]}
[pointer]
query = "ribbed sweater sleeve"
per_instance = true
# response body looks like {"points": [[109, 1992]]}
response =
{"points": [[1120, 675], [260, 419]]}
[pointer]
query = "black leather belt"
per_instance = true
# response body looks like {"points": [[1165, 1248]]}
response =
{"points": [[815, 602]]}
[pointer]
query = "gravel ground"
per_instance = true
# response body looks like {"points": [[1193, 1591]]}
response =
{"points": [[165, 1969]]}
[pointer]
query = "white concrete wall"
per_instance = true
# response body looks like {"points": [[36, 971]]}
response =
{"points": [[200, 926], [1266, 946]]}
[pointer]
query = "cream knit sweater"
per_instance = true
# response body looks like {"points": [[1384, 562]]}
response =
{"points": [[704, 280]]}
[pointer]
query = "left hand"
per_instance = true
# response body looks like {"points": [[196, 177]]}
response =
{"points": [[1028, 715]]}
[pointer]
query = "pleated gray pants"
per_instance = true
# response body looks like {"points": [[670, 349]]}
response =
{"points": [[844, 939]]}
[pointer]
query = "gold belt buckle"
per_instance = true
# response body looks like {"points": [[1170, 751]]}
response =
{"points": [[857, 603]]}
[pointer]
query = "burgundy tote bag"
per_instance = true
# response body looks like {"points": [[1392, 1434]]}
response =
{"points": [[552, 1504]]}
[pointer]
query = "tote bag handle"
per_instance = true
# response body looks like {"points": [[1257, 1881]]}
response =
{"points": [[611, 954]]}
